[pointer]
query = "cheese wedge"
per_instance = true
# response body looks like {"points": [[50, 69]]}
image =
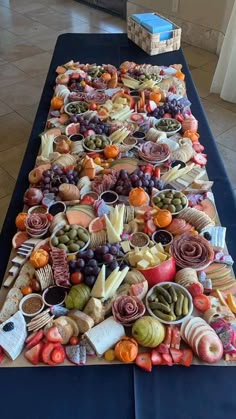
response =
{"points": [[98, 290], [112, 235], [117, 282]]}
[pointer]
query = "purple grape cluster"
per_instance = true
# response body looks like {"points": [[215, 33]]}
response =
{"points": [[139, 178], [87, 265], [94, 123], [54, 177], [170, 106]]}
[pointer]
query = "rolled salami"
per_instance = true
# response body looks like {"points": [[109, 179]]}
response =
{"points": [[192, 251], [127, 309]]}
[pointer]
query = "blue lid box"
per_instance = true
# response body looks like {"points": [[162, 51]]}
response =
{"points": [[155, 24]]}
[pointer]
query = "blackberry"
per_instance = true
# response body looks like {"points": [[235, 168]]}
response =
{"points": [[8, 327], [207, 236]]}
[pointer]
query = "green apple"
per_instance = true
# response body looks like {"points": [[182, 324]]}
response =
{"points": [[148, 332]]}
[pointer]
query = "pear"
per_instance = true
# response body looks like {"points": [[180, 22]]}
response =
{"points": [[148, 332]]}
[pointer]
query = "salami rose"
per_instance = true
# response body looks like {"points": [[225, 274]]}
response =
{"points": [[192, 251], [36, 224], [154, 152], [127, 309]]}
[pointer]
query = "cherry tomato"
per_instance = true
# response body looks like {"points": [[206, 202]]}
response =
{"points": [[87, 200], [75, 76], [74, 340], [26, 290], [76, 278], [50, 217], [35, 285], [93, 106]]}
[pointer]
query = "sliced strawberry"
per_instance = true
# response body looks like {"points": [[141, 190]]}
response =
{"points": [[168, 336], [144, 361], [1, 354], [46, 352], [187, 357], [175, 337], [167, 360], [163, 348], [156, 357], [200, 159], [58, 355], [201, 302], [53, 335], [33, 354], [38, 336], [30, 337], [176, 354], [195, 289]]}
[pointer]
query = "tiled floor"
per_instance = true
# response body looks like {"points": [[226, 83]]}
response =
{"points": [[28, 32]]}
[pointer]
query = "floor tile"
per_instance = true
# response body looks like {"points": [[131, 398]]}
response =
{"points": [[30, 90], [11, 159], [53, 19], [25, 6], [213, 98], [7, 183], [45, 40], [113, 25], [27, 112], [35, 65], [2, 61], [4, 109], [220, 119], [202, 80], [210, 67], [228, 139], [227, 105], [229, 157], [14, 130], [13, 48], [198, 57], [85, 28], [11, 75], [4, 204]]}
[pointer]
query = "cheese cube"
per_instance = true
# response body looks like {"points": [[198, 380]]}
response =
{"points": [[125, 246], [143, 264], [162, 256]]}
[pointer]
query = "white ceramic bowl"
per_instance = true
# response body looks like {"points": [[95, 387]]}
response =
{"points": [[27, 297], [168, 133], [74, 103], [96, 150], [170, 190], [60, 227], [177, 287]]}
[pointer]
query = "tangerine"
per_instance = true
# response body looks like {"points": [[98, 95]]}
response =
{"points": [[20, 221]]}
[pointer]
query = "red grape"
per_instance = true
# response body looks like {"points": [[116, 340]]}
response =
{"points": [[108, 258]]}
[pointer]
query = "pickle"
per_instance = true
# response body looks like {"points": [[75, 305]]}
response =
{"points": [[160, 306], [163, 316], [179, 304], [185, 308], [152, 298], [162, 300], [172, 310], [173, 294], [165, 294]]}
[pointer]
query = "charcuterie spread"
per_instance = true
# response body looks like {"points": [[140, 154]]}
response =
{"points": [[119, 255]]}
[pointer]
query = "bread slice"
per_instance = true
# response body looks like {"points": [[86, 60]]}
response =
{"points": [[66, 331], [84, 322], [27, 268], [23, 280], [15, 293], [9, 308]]}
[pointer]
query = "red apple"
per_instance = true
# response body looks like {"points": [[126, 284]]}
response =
{"points": [[210, 348], [33, 196], [63, 79]]}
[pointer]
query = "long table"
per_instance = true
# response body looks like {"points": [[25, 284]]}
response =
{"points": [[118, 391]]}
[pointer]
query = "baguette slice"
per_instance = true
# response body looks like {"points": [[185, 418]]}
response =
{"points": [[9, 308], [84, 322], [15, 293]]}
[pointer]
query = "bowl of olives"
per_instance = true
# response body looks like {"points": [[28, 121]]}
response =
{"points": [[173, 201], [71, 238], [76, 108], [168, 125], [96, 143]]}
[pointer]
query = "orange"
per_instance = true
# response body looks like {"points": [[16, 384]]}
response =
{"points": [[163, 218], [26, 290], [180, 75], [155, 96], [106, 76], [20, 221], [126, 350], [138, 197]]}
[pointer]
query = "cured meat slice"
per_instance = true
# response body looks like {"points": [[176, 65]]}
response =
{"points": [[60, 267], [36, 224], [127, 309], [154, 151], [192, 251]]}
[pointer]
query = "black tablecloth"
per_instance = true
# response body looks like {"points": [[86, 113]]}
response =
{"points": [[119, 391]]}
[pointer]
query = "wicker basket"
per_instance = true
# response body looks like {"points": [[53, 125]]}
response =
{"points": [[151, 43]]}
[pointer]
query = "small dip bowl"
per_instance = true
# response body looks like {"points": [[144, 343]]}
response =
{"points": [[163, 237], [92, 194], [130, 141], [140, 135], [178, 162], [54, 296], [139, 240], [76, 137], [109, 197], [38, 209], [57, 207], [31, 305]]}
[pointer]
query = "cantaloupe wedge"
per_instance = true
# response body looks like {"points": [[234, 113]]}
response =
{"points": [[208, 207]]}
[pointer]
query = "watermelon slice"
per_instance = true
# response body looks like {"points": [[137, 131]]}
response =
{"points": [[19, 238], [97, 225]]}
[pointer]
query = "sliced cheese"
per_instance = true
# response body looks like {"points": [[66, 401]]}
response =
{"points": [[116, 284], [112, 235], [98, 290], [125, 246], [120, 219]]}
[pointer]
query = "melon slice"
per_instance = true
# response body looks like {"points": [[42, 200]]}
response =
{"points": [[97, 225], [208, 207], [78, 217], [19, 238]]}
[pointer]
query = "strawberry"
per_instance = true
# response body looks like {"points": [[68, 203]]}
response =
{"points": [[163, 348], [46, 352], [162, 72], [175, 337], [201, 302], [30, 337], [58, 355], [176, 354], [200, 159], [195, 289], [179, 117], [144, 361], [35, 339], [33, 354], [168, 336], [156, 357], [187, 357], [1, 354], [167, 360], [53, 335]]}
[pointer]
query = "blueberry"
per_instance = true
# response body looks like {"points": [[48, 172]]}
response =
{"points": [[8, 327], [207, 236]]}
